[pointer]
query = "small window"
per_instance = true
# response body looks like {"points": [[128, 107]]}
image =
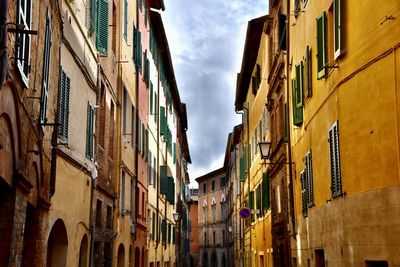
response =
{"points": [[109, 217], [90, 132], [213, 185], [46, 70], [63, 106], [334, 156], [204, 188], [322, 53], [99, 206]]}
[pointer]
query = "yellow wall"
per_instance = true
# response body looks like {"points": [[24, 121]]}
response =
{"points": [[362, 94]]}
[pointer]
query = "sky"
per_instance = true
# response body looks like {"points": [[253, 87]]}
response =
{"points": [[206, 40]]}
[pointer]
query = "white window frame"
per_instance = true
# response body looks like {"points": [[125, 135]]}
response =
{"points": [[24, 17]]}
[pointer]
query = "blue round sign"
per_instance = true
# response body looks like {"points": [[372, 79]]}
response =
{"points": [[244, 213]]}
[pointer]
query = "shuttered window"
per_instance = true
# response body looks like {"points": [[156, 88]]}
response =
{"points": [[222, 182], [151, 98], [322, 53], [123, 193], [63, 106], [336, 179], [265, 192], [282, 32], [308, 73], [102, 27], [89, 132], [337, 23], [163, 180], [174, 156], [299, 85], [125, 19], [297, 110], [132, 126], [309, 176], [258, 199], [173, 235], [139, 131], [153, 226], [155, 172], [169, 232], [252, 204], [164, 231], [170, 195], [163, 121], [303, 180]]}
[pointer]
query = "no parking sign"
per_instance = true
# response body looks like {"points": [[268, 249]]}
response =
{"points": [[244, 213]]}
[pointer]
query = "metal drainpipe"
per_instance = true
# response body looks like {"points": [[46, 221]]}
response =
{"points": [[240, 195], [136, 128], [291, 193], [3, 41]]}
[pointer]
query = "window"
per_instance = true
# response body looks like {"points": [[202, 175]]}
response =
{"points": [[89, 132], [322, 56], [132, 201], [150, 168], [205, 239], [204, 188], [213, 210], [337, 24], [153, 226], [126, 19], [252, 204], [308, 78], [99, 205], [164, 230], [296, 7], [213, 238], [143, 205], [99, 23], [282, 32], [46, 70], [155, 172], [297, 109], [23, 40], [213, 185], [306, 177], [132, 125], [223, 237], [123, 193], [151, 99], [205, 214], [222, 181], [63, 107], [137, 48], [109, 218], [336, 180], [124, 106]]}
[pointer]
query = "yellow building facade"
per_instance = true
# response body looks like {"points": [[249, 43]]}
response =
{"points": [[251, 94], [344, 132]]}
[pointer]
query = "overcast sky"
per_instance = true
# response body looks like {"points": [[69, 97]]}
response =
{"points": [[206, 39]]}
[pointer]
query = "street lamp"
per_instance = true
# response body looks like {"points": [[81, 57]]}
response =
{"points": [[230, 228], [265, 149], [176, 217]]}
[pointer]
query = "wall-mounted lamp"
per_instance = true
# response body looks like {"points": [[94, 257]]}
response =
{"points": [[176, 217], [265, 149]]}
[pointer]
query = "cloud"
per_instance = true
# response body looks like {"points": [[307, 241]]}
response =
{"points": [[206, 40]]}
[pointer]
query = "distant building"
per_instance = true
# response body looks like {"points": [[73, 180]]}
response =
{"points": [[194, 233], [212, 219]]}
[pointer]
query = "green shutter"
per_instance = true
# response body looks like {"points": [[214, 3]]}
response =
{"points": [[64, 106], [134, 46], [297, 111], [174, 152], [337, 17], [308, 80], [222, 181], [303, 193], [163, 179], [309, 174], [164, 230], [102, 27], [89, 132], [151, 98], [258, 198], [163, 121], [138, 50], [93, 16], [139, 131], [299, 85], [336, 180], [140, 4], [173, 234], [265, 192], [321, 46]]}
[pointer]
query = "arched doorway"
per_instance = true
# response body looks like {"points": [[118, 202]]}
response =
{"points": [[83, 252], [57, 245], [214, 260], [223, 262], [130, 256], [205, 260], [121, 256], [137, 257]]}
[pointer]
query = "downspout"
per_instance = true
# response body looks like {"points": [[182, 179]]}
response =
{"points": [[136, 172], [157, 105], [3, 41], [291, 193], [240, 200], [93, 183]]}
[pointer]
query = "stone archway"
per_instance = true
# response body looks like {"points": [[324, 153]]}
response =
{"points": [[57, 245], [83, 252], [121, 255], [137, 257]]}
